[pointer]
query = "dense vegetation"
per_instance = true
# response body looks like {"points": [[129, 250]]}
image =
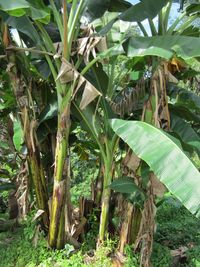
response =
{"points": [[99, 148]]}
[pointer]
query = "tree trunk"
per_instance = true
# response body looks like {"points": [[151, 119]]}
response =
{"points": [[57, 235], [36, 168], [108, 171]]}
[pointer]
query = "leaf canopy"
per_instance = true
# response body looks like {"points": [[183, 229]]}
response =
{"points": [[163, 46]]}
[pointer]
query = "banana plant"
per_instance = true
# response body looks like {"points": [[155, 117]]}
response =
{"points": [[97, 124], [167, 42], [32, 21]]}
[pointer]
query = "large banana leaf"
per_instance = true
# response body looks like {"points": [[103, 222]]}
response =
{"points": [[163, 46], [182, 97], [172, 167], [35, 9], [185, 132], [144, 9], [96, 8], [22, 24], [184, 113], [139, 12], [15, 8]]}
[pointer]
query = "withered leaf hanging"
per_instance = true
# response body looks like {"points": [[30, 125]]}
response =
{"points": [[87, 45], [68, 73]]}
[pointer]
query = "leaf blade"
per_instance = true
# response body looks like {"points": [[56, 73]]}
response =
{"points": [[166, 160]]}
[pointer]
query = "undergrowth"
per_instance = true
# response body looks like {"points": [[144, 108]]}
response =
{"points": [[176, 228]]}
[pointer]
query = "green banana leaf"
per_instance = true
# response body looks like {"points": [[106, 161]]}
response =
{"points": [[144, 9], [35, 9], [45, 128], [124, 185], [137, 13], [163, 46], [172, 167], [50, 111], [193, 9], [22, 24], [96, 8], [18, 136], [186, 133], [15, 8], [182, 97], [184, 113]]}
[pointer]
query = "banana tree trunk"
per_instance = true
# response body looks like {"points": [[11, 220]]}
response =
{"points": [[108, 171], [39, 181], [57, 235], [36, 168]]}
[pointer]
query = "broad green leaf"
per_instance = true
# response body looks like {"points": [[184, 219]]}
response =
{"points": [[137, 13], [18, 135], [163, 46], [113, 51], [124, 185], [182, 97], [88, 119], [185, 132], [33, 8], [171, 166], [50, 111], [144, 9], [96, 8], [184, 113], [38, 11], [118, 6], [22, 24], [14, 8], [191, 31], [193, 9]]}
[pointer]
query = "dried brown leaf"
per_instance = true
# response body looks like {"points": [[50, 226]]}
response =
{"points": [[38, 214], [66, 73], [89, 94], [158, 188]]}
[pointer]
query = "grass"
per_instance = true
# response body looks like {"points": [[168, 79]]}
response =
{"points": [[176, 228]]}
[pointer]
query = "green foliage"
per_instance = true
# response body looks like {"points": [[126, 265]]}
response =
{"points": [[162, 46], [165, 158], [132, 258], [124, 185], [101, 257], [18, 135], [161, 256], [84, 171], [176, 227], [16, 249], [36, 9]]}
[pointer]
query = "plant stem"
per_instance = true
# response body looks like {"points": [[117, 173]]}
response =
{"points": [[57, 18], [108, 175], [142, 29], [65, 43], [152, 27], [74, 22]]}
